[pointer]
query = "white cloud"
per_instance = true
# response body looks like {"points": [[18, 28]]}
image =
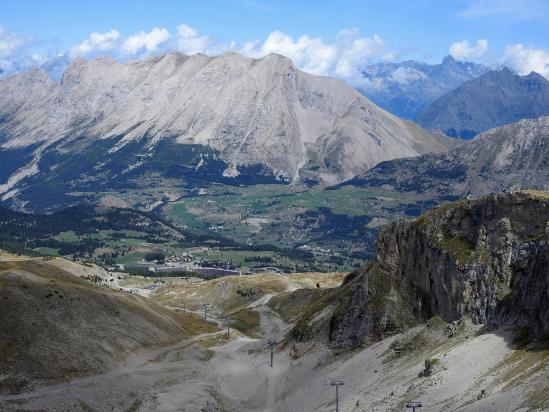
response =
{"points": [[405, 75], [144, 42], [355, 51], [97, 43], [11, 43], [14, 54], [344, 57], [311, 54], [461, 50], [190, 42], [527, 59]]}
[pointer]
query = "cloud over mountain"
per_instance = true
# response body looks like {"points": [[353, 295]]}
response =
{"points": [[343, 56], [146, 42], [462, 50], [525, 59], [97, 43], [14, 53]]}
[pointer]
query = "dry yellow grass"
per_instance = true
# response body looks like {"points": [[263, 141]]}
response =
{"points": [[195, 324], [536, 193], [10, 257], [325, 280], [245, 320], [522, 364], [56, 321], [231, 293], [219, 339]]}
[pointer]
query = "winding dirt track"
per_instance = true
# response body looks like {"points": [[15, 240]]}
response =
{"points": [[184, 376]]}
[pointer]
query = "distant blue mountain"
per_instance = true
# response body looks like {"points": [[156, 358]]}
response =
{"points": [[494, 99], [405, 88]]}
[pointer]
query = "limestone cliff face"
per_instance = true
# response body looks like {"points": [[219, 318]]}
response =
{"points": [[249, 112], [486, 259], [469, 257]]}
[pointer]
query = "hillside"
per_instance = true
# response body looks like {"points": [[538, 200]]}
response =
{"points": [[183, 121], [56, 326], [463, 288], [506, 158], [493, 99]]}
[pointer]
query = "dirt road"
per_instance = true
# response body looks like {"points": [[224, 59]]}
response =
{"points": [[235, 376], [183, 377]]}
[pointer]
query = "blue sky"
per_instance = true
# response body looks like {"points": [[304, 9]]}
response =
{"points": [[323, 37]]}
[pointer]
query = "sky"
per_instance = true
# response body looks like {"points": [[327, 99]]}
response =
{"points": [[333, 38]]}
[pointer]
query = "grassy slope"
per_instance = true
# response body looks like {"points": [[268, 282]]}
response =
{"points": [[55, 326]]}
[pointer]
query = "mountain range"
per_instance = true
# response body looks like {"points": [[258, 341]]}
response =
{"points": [[493, 99], [404, 88], [452, 309], [510, 157], [227, 119]]}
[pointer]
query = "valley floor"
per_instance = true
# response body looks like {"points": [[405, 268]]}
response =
{"points": [[210, 373]]}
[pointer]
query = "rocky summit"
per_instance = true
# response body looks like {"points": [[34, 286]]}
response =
{"points": [[220, 118], [485, 260]]}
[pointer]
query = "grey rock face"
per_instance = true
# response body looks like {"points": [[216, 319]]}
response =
{"points": [[493, 99], [252, 112], [405, 88], [510, 157], [485, 259]]}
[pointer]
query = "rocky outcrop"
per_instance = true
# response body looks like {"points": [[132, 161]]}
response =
{"points": [[485, 259]]}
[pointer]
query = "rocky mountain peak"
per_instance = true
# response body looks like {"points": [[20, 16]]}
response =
{"points": [[536, 77], [277, 59], [504, 74], [34, 76], [448, 60], [257, 114], [506, 71]]}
